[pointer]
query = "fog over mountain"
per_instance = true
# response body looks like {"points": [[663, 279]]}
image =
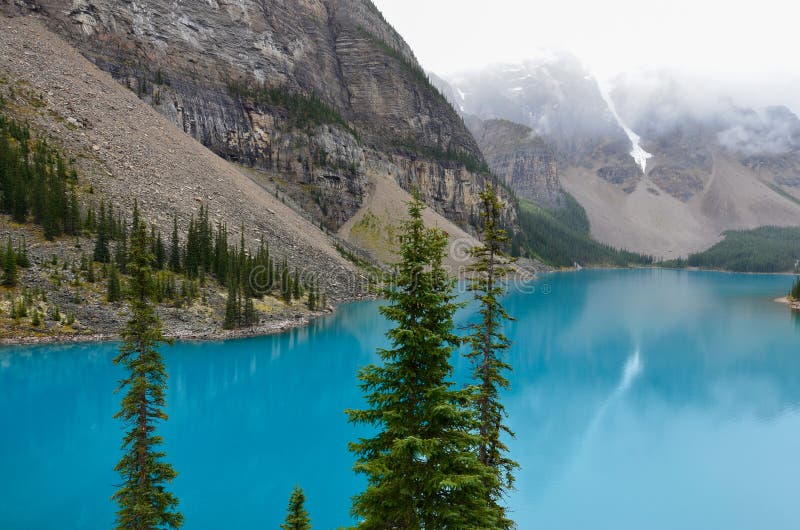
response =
{"points": [[662, 162], [739, 50]]}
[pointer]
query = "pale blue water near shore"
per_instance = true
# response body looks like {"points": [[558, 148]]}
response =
{"points": [[641, 400]]}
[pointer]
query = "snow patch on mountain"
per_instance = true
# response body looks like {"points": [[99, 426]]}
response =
{"points": [[639, 155]]}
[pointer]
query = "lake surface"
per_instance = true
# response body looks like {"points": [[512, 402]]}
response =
{"points": [[647, 399]]}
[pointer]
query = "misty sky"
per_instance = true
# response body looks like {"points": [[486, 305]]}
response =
{"points": [[750, 48]]}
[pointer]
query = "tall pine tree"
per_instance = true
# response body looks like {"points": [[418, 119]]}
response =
{"points": [[487, 343], [144, 503], [297, 516], [421, 466]]}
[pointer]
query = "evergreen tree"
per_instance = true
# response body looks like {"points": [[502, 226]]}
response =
{"points": [[296, 288], [144, 502], [421, 466], [249, 312], [90, 272], [297, 516], [175, 248], [312, 297], [9, 265], [121, 250], [286, 283], [22, 254], [487, 344], [794, 294], [72, 222], [102, 253], [160, 252], [231, 306], [114, 291], [192, 254]]}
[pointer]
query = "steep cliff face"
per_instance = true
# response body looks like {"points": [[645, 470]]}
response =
{"points": [[314, 90], [525, 161]]}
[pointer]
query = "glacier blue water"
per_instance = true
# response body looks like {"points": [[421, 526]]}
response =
{"points": [[647, 399]]}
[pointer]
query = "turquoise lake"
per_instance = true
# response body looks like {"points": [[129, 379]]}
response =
{"points": [[641, 400]]}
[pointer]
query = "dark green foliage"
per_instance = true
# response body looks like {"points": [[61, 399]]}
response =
{"points": [[487, 345], [35, 184], [286, 283], [249, 317], [54, 314], [297, 516], [22, 254], [794, 293], [232, 306], [301, 110], [561, 240], [572, 215], [421, 466], [102, 253], [157, 248], [297, 290], [121, 250], [312, 297], [175, 248], [90, 273], [765, 249], [144, 502], [114, 288], [470, 162]]}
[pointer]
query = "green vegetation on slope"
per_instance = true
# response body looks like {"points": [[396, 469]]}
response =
{"points": [[470, 163], [561, 238], [35, 183], [302, 110], [765, 249]]}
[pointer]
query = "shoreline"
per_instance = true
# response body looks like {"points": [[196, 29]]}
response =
{"points": [[274, 327], [794, 305]]}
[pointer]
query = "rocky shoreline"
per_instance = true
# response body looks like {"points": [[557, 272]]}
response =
{"points": [[268, 328], [794, 305]]}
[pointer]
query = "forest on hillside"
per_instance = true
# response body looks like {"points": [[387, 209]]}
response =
{"points": [[765, 249]]}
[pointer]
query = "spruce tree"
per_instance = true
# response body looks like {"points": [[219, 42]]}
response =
{"points": [[144, 502], [487, 344], [102, 253], [121, 250], [286, 283], [249, 312], [114, 290], [175, 248], [312, 297], [297, 516], [232, 305], [22, 254], [296, 287], [421, 466]]}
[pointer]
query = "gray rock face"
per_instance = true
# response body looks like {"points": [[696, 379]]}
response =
{"points": [[183, 58], [525, 162], [554, 95]]}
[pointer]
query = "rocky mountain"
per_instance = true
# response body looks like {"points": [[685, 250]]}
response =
{"points": [[659, 169], [322, 95], [521, 158]]}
